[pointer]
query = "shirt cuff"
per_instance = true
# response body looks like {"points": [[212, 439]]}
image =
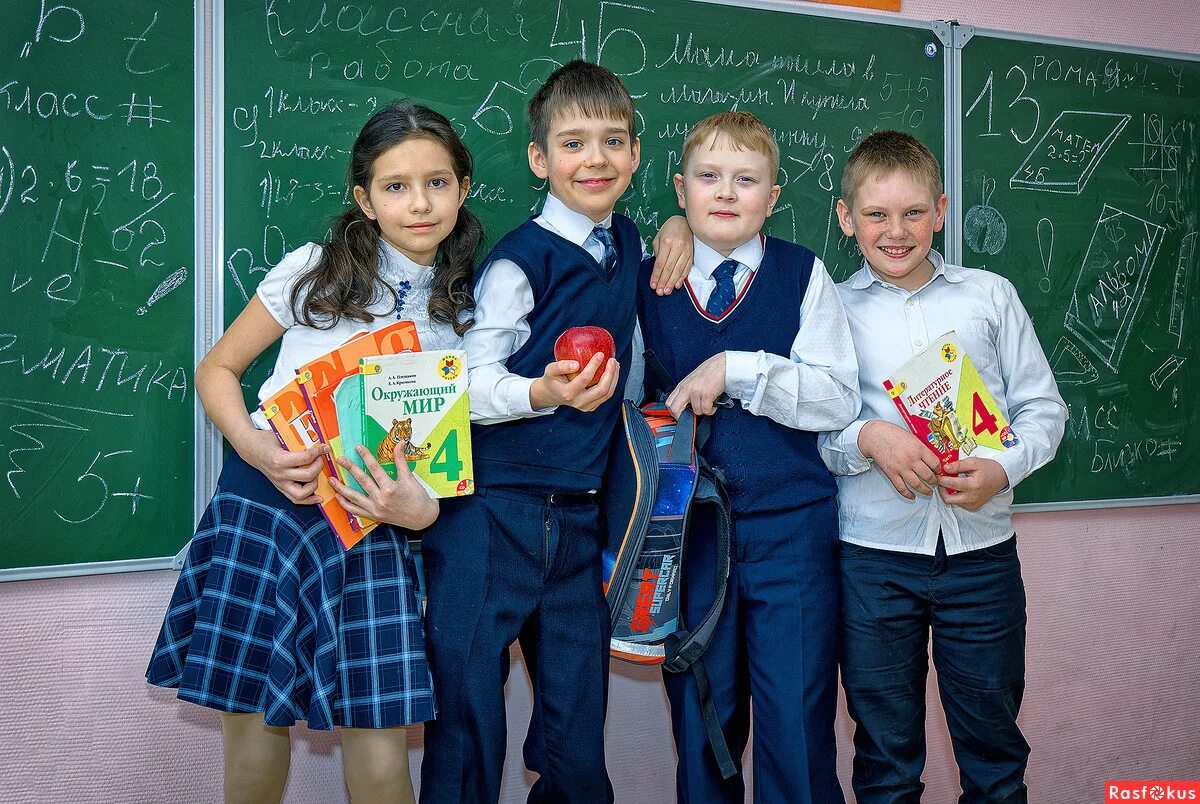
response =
{"points": [[858, 462], [742, 375], [518, 398], [1013, 464]]}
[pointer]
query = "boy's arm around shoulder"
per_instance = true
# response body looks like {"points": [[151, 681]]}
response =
{"points": [[815, 387], [1036, 411]]}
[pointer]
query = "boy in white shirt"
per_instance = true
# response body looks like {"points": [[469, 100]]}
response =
{"points": [[917, 558]]}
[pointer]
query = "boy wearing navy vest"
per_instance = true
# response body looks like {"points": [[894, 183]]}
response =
{"points": [[761, 322], [520, 559]]}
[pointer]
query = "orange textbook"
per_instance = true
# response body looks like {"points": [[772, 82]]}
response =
{"points": [[291, 418], [320, 379], [943, 401]]}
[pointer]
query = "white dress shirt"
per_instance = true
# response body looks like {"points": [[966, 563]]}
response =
{"points": [[301, 344], [890, 325], [815, 387], [503, 302]]}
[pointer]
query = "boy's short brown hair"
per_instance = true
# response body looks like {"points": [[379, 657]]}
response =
{"points": [[743, 129], [884, 152], [581, 86]]}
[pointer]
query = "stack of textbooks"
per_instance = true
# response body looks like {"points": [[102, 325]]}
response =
{"points": [[379, 389], [946, 405]]}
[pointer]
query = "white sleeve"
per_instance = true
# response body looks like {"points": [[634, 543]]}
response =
{"points": [[839, 450], [1036, 411], [635, 372], [503, 302], [275, 289], [815, 388]]}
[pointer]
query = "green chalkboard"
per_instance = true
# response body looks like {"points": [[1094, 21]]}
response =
{"points": [[1081, 184], [96, 276], [302, 77]]}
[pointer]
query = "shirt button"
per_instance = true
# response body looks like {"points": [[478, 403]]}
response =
{"points": [[918, 344], [909, 303]]}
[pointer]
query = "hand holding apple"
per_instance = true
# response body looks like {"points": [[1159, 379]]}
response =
{"points": [[581, 343]]}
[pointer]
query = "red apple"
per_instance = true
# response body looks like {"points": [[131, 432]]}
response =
{"points": [[580, 343]]}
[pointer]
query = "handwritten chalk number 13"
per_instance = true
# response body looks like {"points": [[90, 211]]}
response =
{"points": [[988, 90]]}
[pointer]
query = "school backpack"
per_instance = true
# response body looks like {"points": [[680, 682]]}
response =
{"points": [[656, 484]]}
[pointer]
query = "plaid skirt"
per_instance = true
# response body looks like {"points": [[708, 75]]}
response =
{"points": [[271, 615]]}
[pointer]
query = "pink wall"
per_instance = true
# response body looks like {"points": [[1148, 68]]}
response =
{"points": [[1114, 654]]}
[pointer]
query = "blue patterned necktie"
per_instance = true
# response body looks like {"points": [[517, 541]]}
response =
{"points": [[723, 294], [604, 238]]}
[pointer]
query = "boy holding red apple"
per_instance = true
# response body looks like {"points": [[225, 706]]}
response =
{"points": [[763, 323], [520, 559]]}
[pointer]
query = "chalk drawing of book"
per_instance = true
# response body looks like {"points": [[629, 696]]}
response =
{"points": [[1112, 282], [1067, 154]]}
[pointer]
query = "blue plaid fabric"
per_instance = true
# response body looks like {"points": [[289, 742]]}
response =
{"points": [[605, 239], [271, 615], [724, 293]]}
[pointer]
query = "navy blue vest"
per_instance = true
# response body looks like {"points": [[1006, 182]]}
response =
{"points": [[566, 450], [767, 466]]}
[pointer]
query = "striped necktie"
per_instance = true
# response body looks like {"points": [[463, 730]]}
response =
{"points": [[604, 238], [723, 294]]}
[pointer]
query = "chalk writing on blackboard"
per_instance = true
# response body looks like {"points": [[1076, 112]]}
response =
{"points": [[1070, 365], [1067, 154], [1179, 291], [1112, 281]]}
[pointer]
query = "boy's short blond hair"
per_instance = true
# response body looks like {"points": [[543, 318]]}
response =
{"points": [[578, 86], [743, 129], [885, 152]]}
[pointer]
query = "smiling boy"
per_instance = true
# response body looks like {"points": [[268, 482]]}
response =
{"points": [[762, 322], [917, 558], [520, 559]]}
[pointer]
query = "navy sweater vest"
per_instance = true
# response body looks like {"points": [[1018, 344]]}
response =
{"points": [[767, 466], [566, 450]]}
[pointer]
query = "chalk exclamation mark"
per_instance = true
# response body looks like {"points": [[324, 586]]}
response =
{"points": [[164, 287]]}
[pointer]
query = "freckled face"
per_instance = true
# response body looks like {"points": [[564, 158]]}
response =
{"points": [[588, 162], [414, 196], [894, 218], [726, 193]]}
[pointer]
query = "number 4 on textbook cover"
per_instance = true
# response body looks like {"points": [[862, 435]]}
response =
{"points": [[945, 404], [415, 408]]}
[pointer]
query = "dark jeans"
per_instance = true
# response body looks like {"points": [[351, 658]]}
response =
{"points": [[974, 605], [501, 566]]}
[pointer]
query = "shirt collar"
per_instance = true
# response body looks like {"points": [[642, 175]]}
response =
{"points": [[705, 259], [571, 225], [397, 261], [865, 277]]}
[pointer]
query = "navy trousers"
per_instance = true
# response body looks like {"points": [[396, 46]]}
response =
{"points": [[974, 605], [775, 645], [500, 566]]}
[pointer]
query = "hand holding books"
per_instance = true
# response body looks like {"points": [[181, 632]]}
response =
{"points": [[971, 482], [402, 501], [295, 474], [947, 407], [907, 463]]}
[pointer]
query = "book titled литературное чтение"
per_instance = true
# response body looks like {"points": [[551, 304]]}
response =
{"points": [[946, 405]]}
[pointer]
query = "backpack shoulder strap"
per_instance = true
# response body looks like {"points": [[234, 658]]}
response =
{"points": [[684, 649]]}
